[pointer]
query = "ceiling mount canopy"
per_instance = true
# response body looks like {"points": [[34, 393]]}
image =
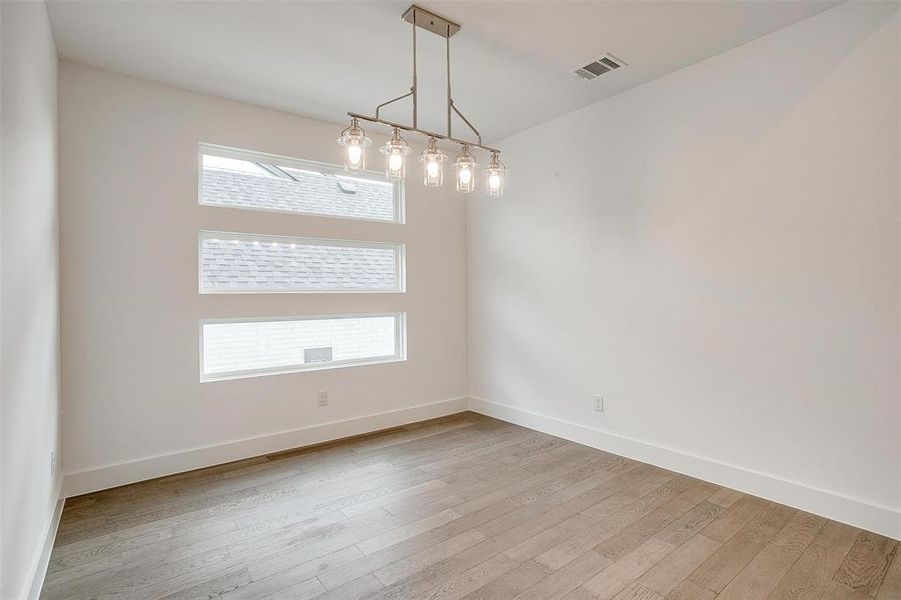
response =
{"points": [[426, 19], [354, 139]]}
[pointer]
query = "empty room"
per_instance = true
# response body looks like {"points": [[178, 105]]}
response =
{"points": [[455, 300]]}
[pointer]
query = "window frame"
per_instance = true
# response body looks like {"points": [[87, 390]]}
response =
{"points": [[400, 346], [302, 164], [400, 261]]}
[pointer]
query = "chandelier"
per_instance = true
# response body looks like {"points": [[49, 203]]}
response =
{"points": [[354, 141]]}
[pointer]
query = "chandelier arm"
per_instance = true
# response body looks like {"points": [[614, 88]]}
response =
{"points": [[439, 136], [465, 120], [379, 107]]}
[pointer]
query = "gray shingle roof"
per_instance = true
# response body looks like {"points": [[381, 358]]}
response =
{"points": [[315, 193], [232, 263]]}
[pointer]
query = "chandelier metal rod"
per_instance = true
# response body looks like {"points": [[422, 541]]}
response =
{"points": [[465, 120], [415, 89], [439, 136], [412, 92], [450, 102]]}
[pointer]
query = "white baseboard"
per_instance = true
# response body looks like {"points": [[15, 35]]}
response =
{"points": [[880, 519], [92, 480], [42, 560]]}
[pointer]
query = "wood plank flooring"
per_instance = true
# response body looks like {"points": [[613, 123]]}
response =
{"points": [[463, 507]]}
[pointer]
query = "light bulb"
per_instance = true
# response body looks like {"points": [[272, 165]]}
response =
{"points": [[431, 159], [464, 164], [395, 162], [495, 172], [355, 141], [395, 151], [354, 153]]}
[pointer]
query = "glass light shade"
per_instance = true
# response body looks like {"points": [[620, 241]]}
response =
{"points": [[465, 166], [353, 139], [395, 151], [496, 172], [432, 161]]}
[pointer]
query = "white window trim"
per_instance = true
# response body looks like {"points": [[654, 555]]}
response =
{"points": [[400, 347], [400, 261], [296, 163]]}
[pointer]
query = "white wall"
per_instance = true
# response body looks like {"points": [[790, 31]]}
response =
{"points": [[717, 253], [129, 223], [29, 293]]}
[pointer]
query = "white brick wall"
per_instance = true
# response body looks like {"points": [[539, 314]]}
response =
{"points": [[235, 347]]}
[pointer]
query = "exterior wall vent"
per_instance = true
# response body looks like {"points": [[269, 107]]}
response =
{"points": [[605, 64], [317, 355]]}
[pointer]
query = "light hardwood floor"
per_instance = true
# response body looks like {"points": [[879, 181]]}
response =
{"points": [[460, 507]]}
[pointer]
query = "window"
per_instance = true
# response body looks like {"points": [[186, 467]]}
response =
{"points": [[256, 263], [238, 262], [250, 180], [245, 347]]}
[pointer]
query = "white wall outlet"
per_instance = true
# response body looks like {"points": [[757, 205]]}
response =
{"points": [[598, 403], [53, 463], [323, 398]]}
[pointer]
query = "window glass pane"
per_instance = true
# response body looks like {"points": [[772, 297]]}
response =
{"points": [[231, 262], [278, 346], [260, 182], [232, 164]]}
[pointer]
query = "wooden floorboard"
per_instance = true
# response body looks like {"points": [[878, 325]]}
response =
{"points": [[462, 507]]}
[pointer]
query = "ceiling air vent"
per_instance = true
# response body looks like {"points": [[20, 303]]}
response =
{"points": [[602, 65]]}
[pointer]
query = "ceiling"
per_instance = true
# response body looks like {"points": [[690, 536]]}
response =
{"points": [[512, 62]]}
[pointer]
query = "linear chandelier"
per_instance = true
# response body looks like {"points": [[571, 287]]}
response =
{"points": [[354, 141]]}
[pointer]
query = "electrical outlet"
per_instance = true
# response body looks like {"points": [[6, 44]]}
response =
{"points": [[323, 398], [53, 463], [598, 403]]}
